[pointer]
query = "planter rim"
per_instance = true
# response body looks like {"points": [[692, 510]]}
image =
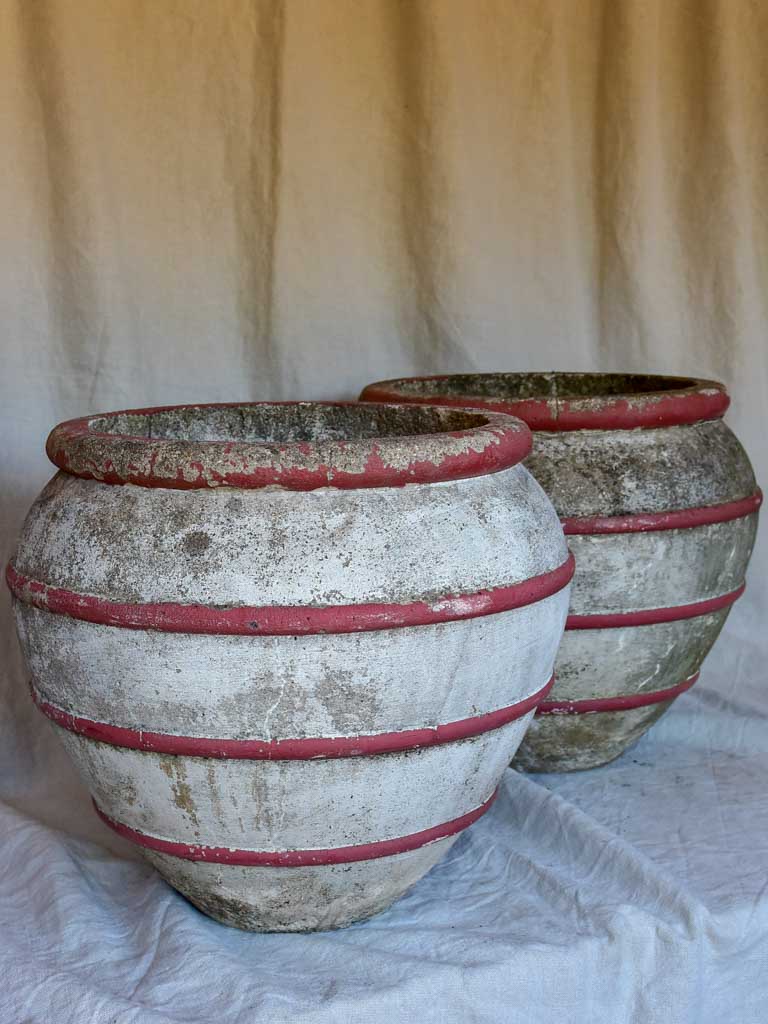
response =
{"points": [[624, 402], [392, 446]]}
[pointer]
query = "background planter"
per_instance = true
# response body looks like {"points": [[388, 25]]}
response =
{"points": [[261, 648], [659, 502]]}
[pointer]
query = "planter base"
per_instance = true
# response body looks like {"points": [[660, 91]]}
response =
{"points": [[307, 899], [570, 743]]}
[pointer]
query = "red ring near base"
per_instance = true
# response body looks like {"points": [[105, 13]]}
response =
{"points": [[593, 705], [653, 616], [296, 858]]}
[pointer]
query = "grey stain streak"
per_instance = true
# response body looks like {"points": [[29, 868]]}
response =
{"points": [[196, 542]]}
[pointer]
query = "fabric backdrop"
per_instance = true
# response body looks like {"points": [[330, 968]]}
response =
{"points": [[288, 199]]}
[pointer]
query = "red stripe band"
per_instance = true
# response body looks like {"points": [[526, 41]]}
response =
{"points": [[597, 704], [286, 620], [297, 858], [290, 749], [653, 616], [679, 519]]}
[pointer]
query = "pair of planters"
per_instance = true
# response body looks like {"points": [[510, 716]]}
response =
{"points": [[293, 647]]}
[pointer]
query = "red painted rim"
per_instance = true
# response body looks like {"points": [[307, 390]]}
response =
{"points": [[297, 858], [308, 749], [286, 620], [79, 448], [679, 519], [653, 616], [692, 401], [598, 704]]}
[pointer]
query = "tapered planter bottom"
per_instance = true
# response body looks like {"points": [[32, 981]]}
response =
{"points": [[265, 899], [570, 743]]}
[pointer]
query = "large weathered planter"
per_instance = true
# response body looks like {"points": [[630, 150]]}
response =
{"points": [[260, 630], [659, 503]]}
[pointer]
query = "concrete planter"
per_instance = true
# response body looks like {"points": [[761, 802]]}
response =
{"points": [[258, 630], [659, 503]]}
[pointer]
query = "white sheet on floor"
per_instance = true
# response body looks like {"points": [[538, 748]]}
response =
{"points": [[636, 892]]}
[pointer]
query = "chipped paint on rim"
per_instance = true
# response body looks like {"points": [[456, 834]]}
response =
{"points": [[647, 400], [439, 446]]}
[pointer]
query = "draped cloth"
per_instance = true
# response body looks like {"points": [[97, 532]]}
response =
{"points": [[287, 199]]}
